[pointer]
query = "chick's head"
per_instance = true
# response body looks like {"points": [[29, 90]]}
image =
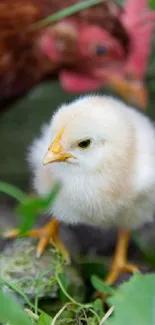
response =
{"points": [[89, 134]]}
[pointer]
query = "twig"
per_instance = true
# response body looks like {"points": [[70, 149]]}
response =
{"points": [[60, 312], [32, 315], [106, 316]]}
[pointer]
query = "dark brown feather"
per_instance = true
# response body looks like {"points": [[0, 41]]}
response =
{"points": [[22, 63]]}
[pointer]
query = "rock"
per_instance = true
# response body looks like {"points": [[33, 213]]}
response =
{"points": [[19, 265]]}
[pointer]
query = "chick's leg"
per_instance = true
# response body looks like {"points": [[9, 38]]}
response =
{"points": [[45, 234], [119, 263]]}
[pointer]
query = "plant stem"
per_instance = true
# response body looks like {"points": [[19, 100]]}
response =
{"points": [[16, 289], [60, 312], [84, 306]]}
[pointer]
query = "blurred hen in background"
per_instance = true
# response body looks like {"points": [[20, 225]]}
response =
{"points": [[103, 45]]}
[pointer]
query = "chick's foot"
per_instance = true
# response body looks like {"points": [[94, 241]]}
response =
{"points": [[45, 234], [119, 268], [120, 264]]}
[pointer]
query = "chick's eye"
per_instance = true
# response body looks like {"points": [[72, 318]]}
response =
{"points": [[84, 144]]}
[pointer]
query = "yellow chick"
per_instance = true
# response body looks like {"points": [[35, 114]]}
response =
{"points": [[103, 154]]}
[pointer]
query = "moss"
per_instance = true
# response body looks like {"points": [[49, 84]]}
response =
{"points": [[19, 265]]}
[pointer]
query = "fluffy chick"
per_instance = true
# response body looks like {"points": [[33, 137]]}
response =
{"points": [[108, 177], [103, 154]]}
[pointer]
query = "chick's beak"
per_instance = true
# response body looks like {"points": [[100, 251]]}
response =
{"points": [[56, 152], [50, 157]]}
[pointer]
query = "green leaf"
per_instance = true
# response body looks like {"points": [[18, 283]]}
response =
{"points": [[66, 12], [13, 191], [29, 213], [30, 209], [152, 4], [44, 319], [98, 307], [11, 312], [101, 286], [134, 301]]}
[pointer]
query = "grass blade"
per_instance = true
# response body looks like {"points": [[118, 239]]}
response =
{"points": [[66, 12], [13, 191]]}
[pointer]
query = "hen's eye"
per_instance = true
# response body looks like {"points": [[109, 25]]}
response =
{"points": [[101, 50], [84, 144]]}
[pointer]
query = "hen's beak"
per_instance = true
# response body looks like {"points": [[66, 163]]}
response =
{"points": [[133, 91], [56, 152]]}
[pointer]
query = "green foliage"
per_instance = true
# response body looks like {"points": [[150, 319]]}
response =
{"points": [[101, 286], [152, 4], [11, 312], [44, 319], [13, 191], [17, 290], [134, 301], [98, 307], [29, 207]]}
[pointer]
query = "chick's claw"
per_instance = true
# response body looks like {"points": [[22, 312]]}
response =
{"points": [[43, 242], [130, 268], [11, 234], [115, 272], [117, 269], [46, 234]]}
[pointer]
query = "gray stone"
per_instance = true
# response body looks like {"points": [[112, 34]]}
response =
{"points": [[19, 265]]}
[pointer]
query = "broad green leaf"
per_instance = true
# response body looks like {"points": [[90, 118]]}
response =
{"points": [[11, 312], [134, 302], [44, 319], [101, 286]]}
